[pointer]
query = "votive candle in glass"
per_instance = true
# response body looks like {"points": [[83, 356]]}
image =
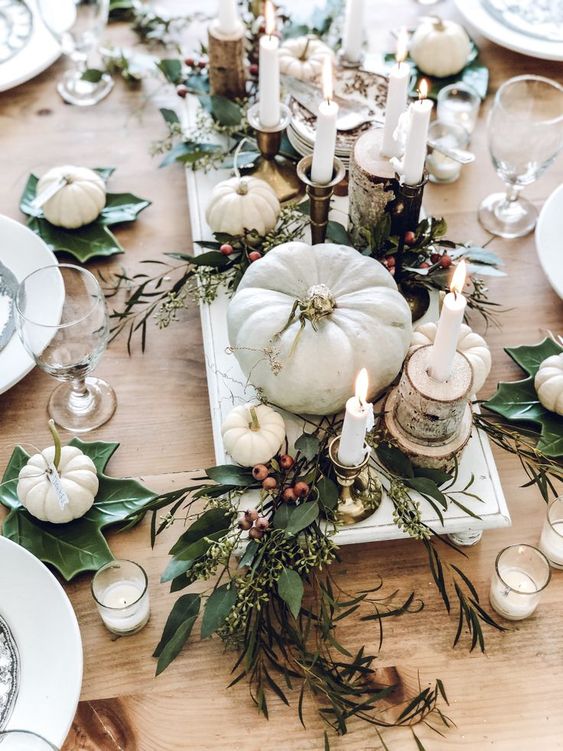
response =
{"points": [[120, 590], [521, 574], [551, 540], [441, 168], [458, 104]]}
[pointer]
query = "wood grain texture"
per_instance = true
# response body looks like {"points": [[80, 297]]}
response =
{"points": [[508, 699]]}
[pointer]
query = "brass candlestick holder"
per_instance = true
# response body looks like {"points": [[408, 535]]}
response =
{"points": [[274, 169], [319, 196], [360, 489]]}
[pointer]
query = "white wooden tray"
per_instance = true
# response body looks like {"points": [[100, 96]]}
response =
{"points": [[227, 388]]}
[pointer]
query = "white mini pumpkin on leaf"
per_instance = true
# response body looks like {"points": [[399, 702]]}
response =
{"points": [[549, 383], [243, 204], [440, 48], [303, 57], [78, 202], [59, 484], [253, 434], [470, 344]]}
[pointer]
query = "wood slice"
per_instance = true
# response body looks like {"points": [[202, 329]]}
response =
{"points": [[373, 185], [227, 75]]}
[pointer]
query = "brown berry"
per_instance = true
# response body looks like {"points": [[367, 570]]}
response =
{"points": [[390, 261], [445, 261], [254, 255], [260, 472], [244, 523], [262, 524], [435, 257], [289, 495], [226, 249], [182, 90], [202, 64], [190, 62], [424, 265], [256, 533], [270, 483], [253, 69], [410, 238], [286, 461], [251, 514], [301, 489]]}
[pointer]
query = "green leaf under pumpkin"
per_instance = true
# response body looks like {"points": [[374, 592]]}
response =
{"points": [[518, 401], [79, 545]]}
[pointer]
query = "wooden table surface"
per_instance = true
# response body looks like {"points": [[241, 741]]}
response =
{"points": [[508, 699]]}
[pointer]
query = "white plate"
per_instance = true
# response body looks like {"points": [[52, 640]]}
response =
{"points": [[22, 251], [40, 51], [549, 232], [477, 16], [45, 629]]}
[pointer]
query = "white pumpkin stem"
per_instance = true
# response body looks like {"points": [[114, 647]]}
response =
{"points": [[303, 55], [439, 25], [57, 440], [254, 423]]}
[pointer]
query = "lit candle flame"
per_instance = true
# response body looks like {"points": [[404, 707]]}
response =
{"points": [[402, 45], [269, 17], [423, 89], [328, 85], [458, 279], [362, 386]]}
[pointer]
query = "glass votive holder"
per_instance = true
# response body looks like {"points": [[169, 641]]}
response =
{"points": [[551, 540], [458, 104], [23, 740], [120, 591], [521, 573], [442, 169]]}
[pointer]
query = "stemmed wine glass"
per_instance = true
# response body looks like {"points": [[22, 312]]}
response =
{"points": [[525, 132], [62, 320], [77, 25]]}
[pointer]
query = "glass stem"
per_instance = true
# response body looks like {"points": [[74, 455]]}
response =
{"points": [[80, 397], [512, 194]]}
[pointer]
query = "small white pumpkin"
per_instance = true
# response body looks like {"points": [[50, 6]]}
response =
{"points": [[472, 345], [242, 204], [77, 203], [440, 48], [549, 383], [78, 483], [306, 319], [304, 57], [252, 434]]}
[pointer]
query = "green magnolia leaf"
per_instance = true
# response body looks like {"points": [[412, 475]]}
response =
{"points": [[122, 207], [328, 493], [218, 607], [79, 545], [230, 474], [84, 243], [177, 630], [395, 460], [308, 445], [518, 401], [302, 516], [336, 233], [290, 589], [172, 69]]}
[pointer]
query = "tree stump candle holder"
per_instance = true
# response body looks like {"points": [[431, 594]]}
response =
{"points": [[360, 489], [319, 196], [274, 169], [227, 73], [428, 420]]}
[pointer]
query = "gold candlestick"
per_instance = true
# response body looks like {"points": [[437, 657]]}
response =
{"points": [[274, 169], [319, 196], [360, 489]]}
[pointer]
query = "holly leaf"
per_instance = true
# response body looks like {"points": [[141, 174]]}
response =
{"points": [[79, 545], [518, 401]]}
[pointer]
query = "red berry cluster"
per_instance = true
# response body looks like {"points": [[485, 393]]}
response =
{"points": [[254, 524], [201, 63]]}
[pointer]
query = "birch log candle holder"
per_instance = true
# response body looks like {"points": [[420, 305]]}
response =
{"points": [[319, 196], [227, 74], [428, 420], [360, 489]]}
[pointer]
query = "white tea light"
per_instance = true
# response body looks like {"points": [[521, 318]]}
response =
{"points": [[120, 590], [358, 419], [551, 540], [521, 573], [322, 167], [269, 72]]}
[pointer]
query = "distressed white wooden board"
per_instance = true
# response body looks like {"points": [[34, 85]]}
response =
{"points": [[228, 387]]}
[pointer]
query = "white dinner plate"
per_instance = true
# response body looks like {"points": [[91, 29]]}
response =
{"points": [[22, 251], [549, 231], [39, 51], [45, 630], [477, 16]]}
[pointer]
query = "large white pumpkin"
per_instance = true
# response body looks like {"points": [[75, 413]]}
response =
{"points": [[242, 204], [79, 202], [472, 345], [440, 48], [347, 315], [549, 383], [78, 479], [303, 57]]}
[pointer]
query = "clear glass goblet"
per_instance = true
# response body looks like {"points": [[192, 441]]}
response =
{"points": [[525, 131], [62, 320], [23, 740], [77, 25]]}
